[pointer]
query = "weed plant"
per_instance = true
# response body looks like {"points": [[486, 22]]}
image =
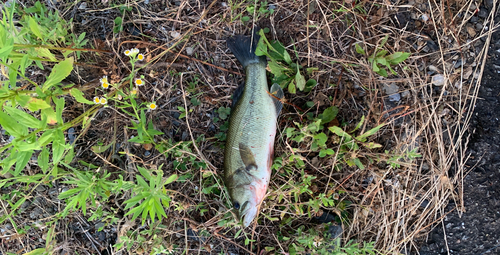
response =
{"points": [[31, 114]]}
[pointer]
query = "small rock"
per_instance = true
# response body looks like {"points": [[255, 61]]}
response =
{"points": [[189, 51], [458, 63], [438, 80], [483, 13], [424, 17], [471, 31], [392, 90], [175, 34], [489, 4], [479, 26], [472, 7]]}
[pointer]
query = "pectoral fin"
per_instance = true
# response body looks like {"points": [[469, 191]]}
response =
{"points": [[248, 158], [277, 92]]}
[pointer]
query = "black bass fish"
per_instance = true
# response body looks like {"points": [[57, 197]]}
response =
{"points": [[249, 149]]}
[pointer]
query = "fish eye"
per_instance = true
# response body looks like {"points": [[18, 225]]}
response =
{"points": [[236, 205]]}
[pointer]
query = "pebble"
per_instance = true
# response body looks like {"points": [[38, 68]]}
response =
{"points": [[472, 7], [471, 31], [479, 26], [438, 80], [483, 13], [189, 51], [392, 90]]}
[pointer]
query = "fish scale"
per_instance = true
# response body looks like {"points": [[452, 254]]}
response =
{"points": [[252, 129]]}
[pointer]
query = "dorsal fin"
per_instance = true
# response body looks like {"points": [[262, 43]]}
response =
{"points": [[247, 157], [277, 92]]}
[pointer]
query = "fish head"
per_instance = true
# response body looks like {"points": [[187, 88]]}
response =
{"points": [[246, 201]]}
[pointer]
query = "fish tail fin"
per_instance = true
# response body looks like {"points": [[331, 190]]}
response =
{"points": [[243, 47]]}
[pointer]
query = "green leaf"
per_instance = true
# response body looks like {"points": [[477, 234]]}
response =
{"points": [[100, 148], [22, 160], [300, 81], [338, 131], [6, 50], [310, 84], [43, 160], [171, 179], [382, 72], [291, 87], [329, 114], [359, 124], [23, 118], [359, 49], [45, 53], [398, 57], [58, 146], [59, 108], [59, 73], [368, 133], [33, 25], [359, 164], [35, 104], [78, 95], [11, 125]]}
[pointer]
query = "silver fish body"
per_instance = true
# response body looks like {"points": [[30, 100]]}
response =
{"points": [[249, 148]]}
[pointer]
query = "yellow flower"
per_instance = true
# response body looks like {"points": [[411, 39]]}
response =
{"points": [[128, 52], [133, 92], [105, 85], [140, 57], [103, 100], [96, 100], [104, 79], [139, 82], [152, 106]]}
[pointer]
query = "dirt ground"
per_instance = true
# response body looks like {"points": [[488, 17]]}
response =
{"points": [[392, 206], [477, 230]]}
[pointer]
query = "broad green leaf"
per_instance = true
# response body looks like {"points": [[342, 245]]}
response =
{"points": [[397, 57], [59, 72], [300, 81], [338, 131], [35, 104], [26, 146], [10, 125], [78, 95], [46, 137], [359, 164], [23, 118], [382, 72], [58, 146], [45, 53], [359, 49], [49, 115], [287, 57], [23, 100], [5, 51], [171, 179], [329, 114], [22, 160], [291, 87], [33, 25], [59, 108], [43, 160], [310, 84], [145, 173]]}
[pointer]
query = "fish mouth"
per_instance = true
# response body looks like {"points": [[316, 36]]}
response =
{"points": [[248, 213]]}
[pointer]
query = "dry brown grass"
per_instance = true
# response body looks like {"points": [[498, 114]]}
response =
{"points": [[394, 207]]}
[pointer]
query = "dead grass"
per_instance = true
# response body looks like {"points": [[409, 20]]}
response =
{"points": [[394, 207]]}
